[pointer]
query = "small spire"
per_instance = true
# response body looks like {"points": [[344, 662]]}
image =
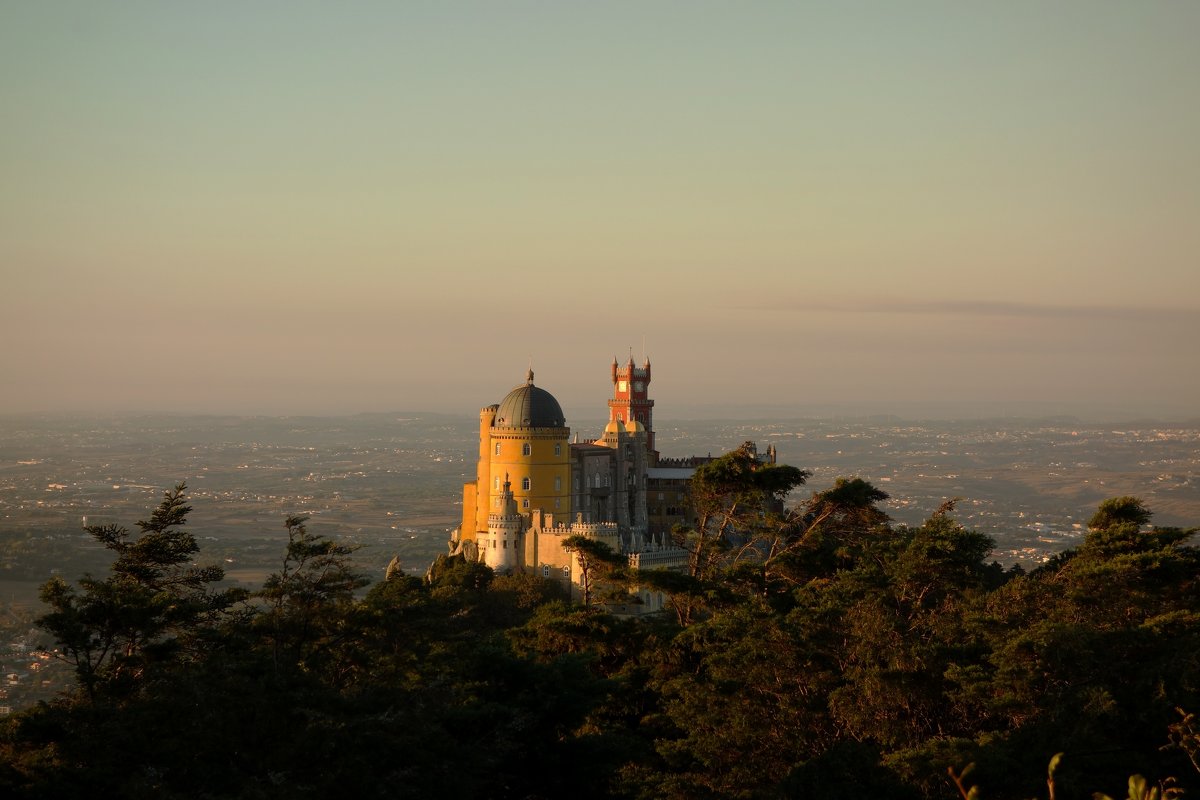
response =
{"points": [[529, 377]]}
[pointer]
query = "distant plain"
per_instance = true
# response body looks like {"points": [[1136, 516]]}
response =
{"points": [[391, 483]]}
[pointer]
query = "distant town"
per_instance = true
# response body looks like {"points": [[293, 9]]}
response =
{"points": [[392, 483]]}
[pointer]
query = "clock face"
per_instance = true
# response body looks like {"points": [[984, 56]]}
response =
{"points": [[639, 386], [621, 386]]}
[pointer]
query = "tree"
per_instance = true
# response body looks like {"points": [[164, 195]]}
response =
{"points": [[738, 502], [308, 596], [903, 608], [840, 521], [827, 533], [1091, 651], [152, 607], [597, 562], [684, 593], [1119, 511]]}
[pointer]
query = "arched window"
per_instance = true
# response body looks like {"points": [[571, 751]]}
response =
{"points": [[497, 448], [558, 448], [496, 483], [526, 449], [525, 503], [557, 483], [525, 484]]}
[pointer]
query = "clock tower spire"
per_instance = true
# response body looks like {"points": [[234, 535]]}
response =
{"points": [[631, 399]]}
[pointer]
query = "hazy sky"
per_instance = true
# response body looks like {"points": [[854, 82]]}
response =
{"points": [[338, 207]]}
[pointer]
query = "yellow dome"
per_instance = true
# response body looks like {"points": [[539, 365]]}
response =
{"points": [[633, 426]]}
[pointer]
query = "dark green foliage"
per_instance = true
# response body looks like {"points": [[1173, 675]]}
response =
{"points": [[154, 608], [819, 651], [738, 505], [599, 565], [308, 600], [1119, 511]]}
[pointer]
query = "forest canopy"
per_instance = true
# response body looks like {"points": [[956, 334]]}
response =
{"points": [[819, 650]]}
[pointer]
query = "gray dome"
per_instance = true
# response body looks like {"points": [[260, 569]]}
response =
{"points": [[529, 407]]}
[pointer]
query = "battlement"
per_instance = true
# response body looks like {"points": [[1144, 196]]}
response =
{"points": [[689, 462], [592, 530], [664, 558], [630, 371]]}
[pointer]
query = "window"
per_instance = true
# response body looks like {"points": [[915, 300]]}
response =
{"points": [[496, 483], [557, 483], [525, 484], [497, 448], [526, 449], [545, 570], [525, 503], [556, 502], [558, 448]]}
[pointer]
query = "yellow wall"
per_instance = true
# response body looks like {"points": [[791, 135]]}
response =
{"points": [[466, 533], [475, 517], [542, 466]]}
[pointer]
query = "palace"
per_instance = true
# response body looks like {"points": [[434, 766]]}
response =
{"points": [[534, 488]]}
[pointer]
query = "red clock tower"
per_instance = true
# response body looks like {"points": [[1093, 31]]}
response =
{"points": [[631, 399]]}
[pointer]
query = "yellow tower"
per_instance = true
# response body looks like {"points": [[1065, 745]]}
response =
{"points": [[523, 441]]}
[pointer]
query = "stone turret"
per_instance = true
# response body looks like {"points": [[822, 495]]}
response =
{"points": [[503, 546]]}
